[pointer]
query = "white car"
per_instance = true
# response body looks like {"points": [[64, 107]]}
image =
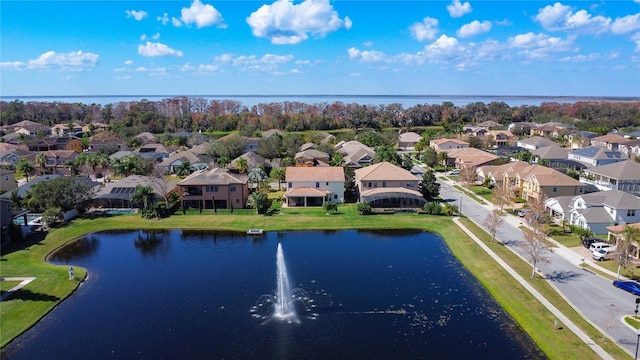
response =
{"points": [[454, 172], [600, 245], [602, 254]]}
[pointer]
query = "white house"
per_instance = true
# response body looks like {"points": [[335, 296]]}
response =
{"points": [[312, 186], [596, 211]]}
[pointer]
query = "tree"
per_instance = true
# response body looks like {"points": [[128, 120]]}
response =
{"points": [[230, 146], [501, 195], [428, 186], [494, 221], [279, 173], [24, 168], [625, 245], [535, 249], [257, 176], [443, 158], [41, 162], [51, 215], [259, 201], [242, 165], [387, 153], [468, 175], [336, 159], [144, 197], [184, 169], [430, 157], [330, 207], [66, 193]]}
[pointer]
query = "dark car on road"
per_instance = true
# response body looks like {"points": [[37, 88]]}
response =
{"points": [[630, 286], [590, 240]]}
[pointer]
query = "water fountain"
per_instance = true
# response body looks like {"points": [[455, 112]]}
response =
{"points": [[282, 305]]}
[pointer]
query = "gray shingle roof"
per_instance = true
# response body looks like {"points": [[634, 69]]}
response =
{"points": [[623, 170]]}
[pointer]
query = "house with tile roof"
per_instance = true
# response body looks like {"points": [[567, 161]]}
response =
{"points": [[408, 140], [535, 142], [11, 157], [214, 189], [311, 157], [541, 183], [469, 157], [7, 180], [503, 175], [501, 138], [623, 175], [631, 148], [56, 161], [196, 162], [581, 139], [596, 211], [253, 161], [447, 144], [363, 156], [612, 142], [616, 234], [56, 143], [117, 194], [597, 156], [384, 185], [313, 186]]}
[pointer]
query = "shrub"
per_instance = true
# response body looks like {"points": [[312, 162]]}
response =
{"points": [[363, 208], [432, 208]]}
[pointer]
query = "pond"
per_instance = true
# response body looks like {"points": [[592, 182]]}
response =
{"points": [[184, 294]]}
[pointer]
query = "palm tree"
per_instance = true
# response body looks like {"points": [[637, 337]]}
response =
{"points": [[144, 195], [25, 168], [443, 158], [184, 169], [258, 200], [242, 165], [279, 173], [41, 162]]}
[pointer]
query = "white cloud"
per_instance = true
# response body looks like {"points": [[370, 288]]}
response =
{"points": [[426, 30], [176, 22], [157, 49], [561, 17], [636, 38], [269, 63], [282, 22], [201, 15], [367, 55], [536, 46], [474, 28], [128, 62], [156, 36], [164, 19], [445, 48], [457, 9], [202, 68], [138, 15], [71, 61], [627, 24]]}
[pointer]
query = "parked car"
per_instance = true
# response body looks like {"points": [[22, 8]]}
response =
{"points": [[590, 240], [602, 254], [630, 286], [600, 245], [454, 172], [523, 212]]}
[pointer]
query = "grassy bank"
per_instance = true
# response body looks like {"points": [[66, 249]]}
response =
{"points": [[27, 306]]}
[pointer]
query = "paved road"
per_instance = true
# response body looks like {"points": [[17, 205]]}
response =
{"points": [[590, 294]]}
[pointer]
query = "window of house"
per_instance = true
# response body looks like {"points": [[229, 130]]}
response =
{"points": [[410, 184], [211, 188], [335, 196], [384, 184], [232, 188], [317, 184], [375, 184], [554, 189], [369, 185], [290, 185], [327, 183], [631, 212]]}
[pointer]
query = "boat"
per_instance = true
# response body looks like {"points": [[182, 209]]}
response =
{"points": [[255, 231]]}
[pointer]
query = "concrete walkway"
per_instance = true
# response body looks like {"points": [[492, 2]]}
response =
{"points": [[559, 315], [23, 282]]}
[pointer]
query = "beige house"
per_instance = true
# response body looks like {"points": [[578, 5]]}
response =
{"points": [[469, 157], [384, 185], [501, 137], [408, 140], [7, 180], [447, 144], [616, 234], [543, 183], [214, 189], [313, 186], [311, 157]]}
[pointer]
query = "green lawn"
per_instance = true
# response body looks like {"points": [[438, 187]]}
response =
{"points": [[52, 284]]}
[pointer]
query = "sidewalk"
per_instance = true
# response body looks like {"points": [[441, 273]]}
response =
{"points": [[559, 315]]}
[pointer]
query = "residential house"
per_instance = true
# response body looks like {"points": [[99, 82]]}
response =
{"points": [[501, 138], [117, 194], [11, 157], [56, 161], [631, 135], [196, 162], [581, 139], [505, 174], [559, 207], [314, 186], [307, 146], [94, 127], [616, 234], [56, 143], [612, 142], [272, 132], [363, 156], [631, 148], [469, 157], [489, 124], [447, 144], [253, 161], [596, 211], [214, 189], [597, 156], [7, 180], [110, 145], [555, 155], [311, 157], [249, 144], [157, 152], [384, 185], [535, 142], [623, 175], [28, 128], [64, 130], [521, 127], [147, 138], [551, 130], [542, 183], [408, 140]]}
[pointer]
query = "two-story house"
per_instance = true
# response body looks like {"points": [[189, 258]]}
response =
{"points": [[535, 142], [623, 175], [118, 194], [596, 211], [216, 188], [408, 140], [447, 144], [384, 185], [542, 183], [612, 142], [7, 180], [56, 143], [311, 157], [596, 156], [313, 186]]}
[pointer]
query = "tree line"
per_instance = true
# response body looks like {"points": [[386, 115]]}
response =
{"points": [[199, 114]]}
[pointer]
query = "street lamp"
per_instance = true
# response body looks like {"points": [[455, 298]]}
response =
{"points": [[637, 343], [460, 206]]}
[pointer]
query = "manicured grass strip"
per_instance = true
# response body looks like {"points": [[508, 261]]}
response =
{"points": [[562, 344], [633, 321]]}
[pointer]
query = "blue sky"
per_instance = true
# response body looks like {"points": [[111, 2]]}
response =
{"points": [[203, 47]]}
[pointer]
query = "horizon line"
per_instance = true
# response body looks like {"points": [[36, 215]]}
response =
{"points": [[331, 95]]}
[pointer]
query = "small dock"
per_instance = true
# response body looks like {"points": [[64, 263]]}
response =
{"points": [[255, 231]]}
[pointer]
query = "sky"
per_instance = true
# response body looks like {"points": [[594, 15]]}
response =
{"points": [[310, 47]]}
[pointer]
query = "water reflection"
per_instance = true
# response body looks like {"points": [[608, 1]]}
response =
{"points": [[148, 242], [78, 249]]}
